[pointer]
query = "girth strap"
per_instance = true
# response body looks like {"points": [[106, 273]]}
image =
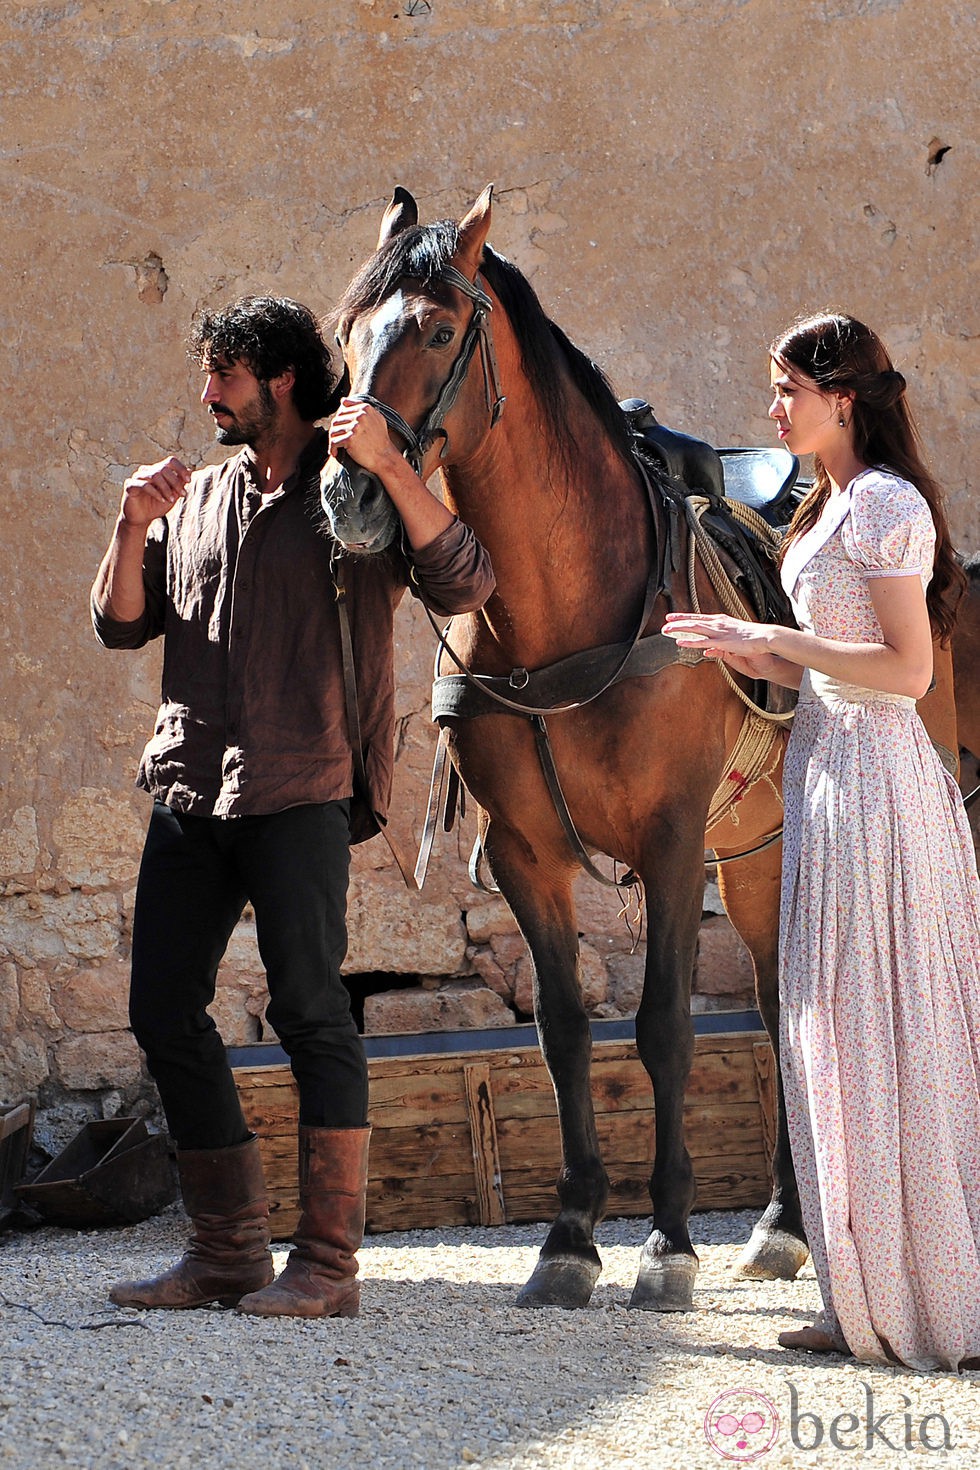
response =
{"points": [[550, 773], [567, 684]]}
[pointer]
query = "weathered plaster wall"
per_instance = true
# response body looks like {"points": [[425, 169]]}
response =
{"points": [[678, 177]]}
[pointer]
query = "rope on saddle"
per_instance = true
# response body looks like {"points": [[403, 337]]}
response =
{"points": [[754, 757], [700, 544]]}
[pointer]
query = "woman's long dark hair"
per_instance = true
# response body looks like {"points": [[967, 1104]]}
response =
{"points": [[840, 354]]}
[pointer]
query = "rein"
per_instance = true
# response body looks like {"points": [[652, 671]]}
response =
{"points": [[478, 334]]}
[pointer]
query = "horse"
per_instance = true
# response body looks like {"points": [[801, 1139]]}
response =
{"points": [[966, 660], [966, 668], [624, 760]]}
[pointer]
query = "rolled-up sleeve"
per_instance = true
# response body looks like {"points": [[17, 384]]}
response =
{"points": [[453, 573], [112, 633]]}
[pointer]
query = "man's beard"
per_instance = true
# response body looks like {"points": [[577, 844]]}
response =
{"points": [[248, 426]]}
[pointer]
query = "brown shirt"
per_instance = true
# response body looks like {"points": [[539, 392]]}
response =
{"points": [[253, 717]]}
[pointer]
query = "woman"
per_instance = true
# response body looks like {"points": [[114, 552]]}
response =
{"points": [[880, 916]]}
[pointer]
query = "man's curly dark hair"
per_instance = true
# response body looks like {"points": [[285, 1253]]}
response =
{"points": [[270, 334]]}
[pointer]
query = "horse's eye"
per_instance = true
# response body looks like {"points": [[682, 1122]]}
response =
{"points": [[441, 337]]}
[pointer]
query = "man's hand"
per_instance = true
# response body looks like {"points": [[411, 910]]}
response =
{"points": [[360, 430], [152, 491]]}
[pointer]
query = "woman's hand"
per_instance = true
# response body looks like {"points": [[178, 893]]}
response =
{"points": [[742, 646]]}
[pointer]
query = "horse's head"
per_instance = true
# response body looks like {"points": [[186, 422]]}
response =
{"points": [[409, 324]]}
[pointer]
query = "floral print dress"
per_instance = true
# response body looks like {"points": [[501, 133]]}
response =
{"points": [[879, 968]]}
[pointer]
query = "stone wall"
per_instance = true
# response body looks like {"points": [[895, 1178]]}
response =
{"points": [[678, 178]]}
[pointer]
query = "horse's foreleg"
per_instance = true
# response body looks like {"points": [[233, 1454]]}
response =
{"points": [[568, 1266], [665, 1041], [777, 1248]]}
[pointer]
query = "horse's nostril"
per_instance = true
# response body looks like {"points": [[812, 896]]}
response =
{"points": [[371, 499]]}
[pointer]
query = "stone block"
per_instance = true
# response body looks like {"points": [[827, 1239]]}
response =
{"points": [[523, 984], [236, 1010], [458, 1005], [9, 999], [19, 847], [97, 838], [723, 966], [626, 973], [593, 977], [23, 1065], [95, 999], [504, 966], [483, 960], [102, 1059], [488, 917], [35, 999], [242, 955], [394, 930], [43, 928]]}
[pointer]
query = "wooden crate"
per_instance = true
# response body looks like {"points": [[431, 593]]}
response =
{"points": [[471, 1137]]}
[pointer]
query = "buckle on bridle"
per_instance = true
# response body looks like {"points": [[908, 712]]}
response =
{"points": [[519, 678]]}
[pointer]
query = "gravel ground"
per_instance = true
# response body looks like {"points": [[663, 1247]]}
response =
{"points": [[441, 1370]]}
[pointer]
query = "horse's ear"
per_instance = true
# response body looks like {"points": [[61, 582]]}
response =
{"points": [[474, 228], [400, 214]]}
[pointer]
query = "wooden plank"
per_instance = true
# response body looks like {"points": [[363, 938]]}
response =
{"points": [[621, 1083], [394, 1205], [483, 1133], [466, 1138], [710, 1131], [412, 1205], [744, 1187], [16, 1117]]}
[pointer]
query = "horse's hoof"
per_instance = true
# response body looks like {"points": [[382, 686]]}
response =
{"points": [[560, 1281], [665, 1283], [772, 1255]]}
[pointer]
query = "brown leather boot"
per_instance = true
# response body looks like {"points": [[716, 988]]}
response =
{"points": [[224, 1193], [319, 1279]]}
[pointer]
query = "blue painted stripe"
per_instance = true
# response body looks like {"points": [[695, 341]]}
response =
{"points": [[501, 1038]]}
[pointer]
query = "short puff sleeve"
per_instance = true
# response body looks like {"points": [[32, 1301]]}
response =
{"points": [[889, 531]]}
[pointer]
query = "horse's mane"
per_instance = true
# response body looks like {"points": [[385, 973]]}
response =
{"points": [[971, 565], [422, 252]]}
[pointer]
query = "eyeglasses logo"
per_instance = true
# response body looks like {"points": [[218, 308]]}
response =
{"points": [[741, 1425]]}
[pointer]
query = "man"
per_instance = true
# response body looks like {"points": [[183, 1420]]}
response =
{"points": [[256, 798]]}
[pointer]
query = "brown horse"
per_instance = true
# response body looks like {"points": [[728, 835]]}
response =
{"points": [[966, 662], [552, 490]]}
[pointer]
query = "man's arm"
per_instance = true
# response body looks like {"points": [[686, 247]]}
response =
{"points": [[451, 570], [119, 590], [360, 431]]}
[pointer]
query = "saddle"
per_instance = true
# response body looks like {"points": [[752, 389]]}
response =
{"points": [[763, 480]]}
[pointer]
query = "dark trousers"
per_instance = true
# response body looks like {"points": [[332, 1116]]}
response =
{"points": [[196, 876]]}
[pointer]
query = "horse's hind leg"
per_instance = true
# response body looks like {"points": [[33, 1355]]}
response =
{"points": [[777, 1248], [568, 1266]]}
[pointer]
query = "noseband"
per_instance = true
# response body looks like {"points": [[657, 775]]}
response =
{"points": [[478, 332]]}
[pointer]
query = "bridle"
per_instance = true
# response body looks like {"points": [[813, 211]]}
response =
{"points": [[478, 334]]}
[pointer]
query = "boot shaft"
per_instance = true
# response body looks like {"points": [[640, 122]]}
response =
{"points": [[333, 1171]]}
